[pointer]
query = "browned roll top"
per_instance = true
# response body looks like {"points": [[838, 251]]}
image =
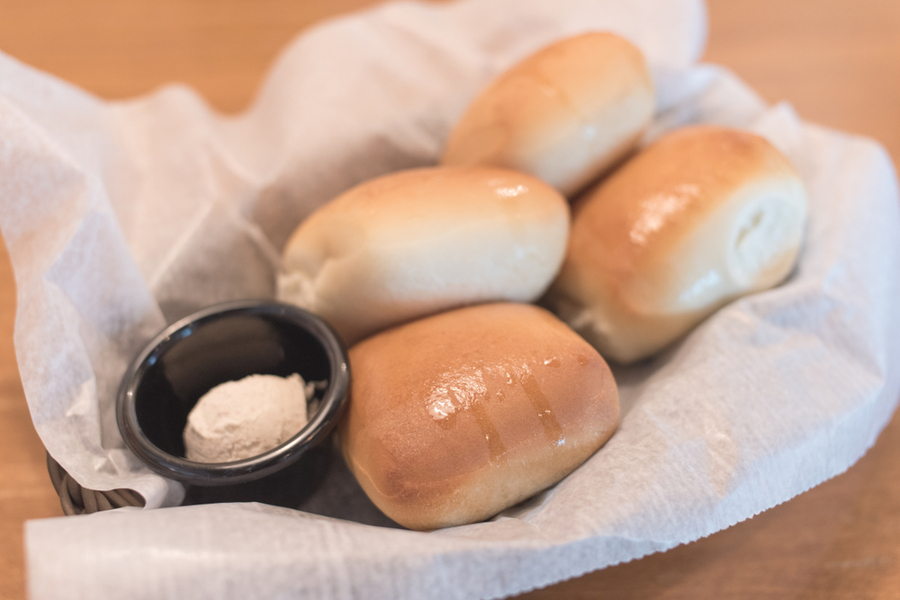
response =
{"points": [[455, 417], [702, 216], [565, 114], [416, 242]]}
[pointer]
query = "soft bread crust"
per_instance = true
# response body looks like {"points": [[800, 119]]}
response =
{"points": [[417, 242], [702, 216], [455, 417], [565, 114]]}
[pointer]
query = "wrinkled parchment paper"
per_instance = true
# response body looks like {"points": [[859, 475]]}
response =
{"points": [[123, 216]]}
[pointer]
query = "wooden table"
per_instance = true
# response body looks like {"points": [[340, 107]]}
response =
{"points": [[837, 61]]}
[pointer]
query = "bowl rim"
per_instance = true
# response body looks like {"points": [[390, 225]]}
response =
{"points": [[208, 474]]}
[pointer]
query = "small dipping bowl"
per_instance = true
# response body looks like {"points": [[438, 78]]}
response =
{"points": [[228, 342]]}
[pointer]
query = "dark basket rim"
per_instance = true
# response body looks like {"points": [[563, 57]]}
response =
{"points": [[78, 500]]}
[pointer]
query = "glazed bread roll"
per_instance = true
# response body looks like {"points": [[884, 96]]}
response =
{"points": [[455, 417], [700, 217], [417, 242], [565, 114]]}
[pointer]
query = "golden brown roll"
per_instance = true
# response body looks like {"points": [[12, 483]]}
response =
{"points": [[417, 242], [455, 417], [564, 114], [702, 216]]}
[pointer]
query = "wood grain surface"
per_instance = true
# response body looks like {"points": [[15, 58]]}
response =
{"points": [[836, 61]]}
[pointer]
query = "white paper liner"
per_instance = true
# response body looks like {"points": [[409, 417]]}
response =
{"points": [[122, 216]]}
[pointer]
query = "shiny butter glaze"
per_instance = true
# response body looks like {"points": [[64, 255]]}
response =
{"points": [[646, 209], [481, 406], [699, 217], [473, 388]]}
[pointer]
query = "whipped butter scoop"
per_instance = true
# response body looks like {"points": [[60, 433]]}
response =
{"points": [[242, 419]]}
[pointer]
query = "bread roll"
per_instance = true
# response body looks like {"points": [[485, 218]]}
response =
{"points": [[564, 115], [417, 242], [455, 417], [700, 217]]}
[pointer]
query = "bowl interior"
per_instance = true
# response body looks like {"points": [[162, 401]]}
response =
{"points": [[212, 350]]}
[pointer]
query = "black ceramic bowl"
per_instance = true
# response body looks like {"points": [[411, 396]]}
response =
{"points": [[223, 343]]}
